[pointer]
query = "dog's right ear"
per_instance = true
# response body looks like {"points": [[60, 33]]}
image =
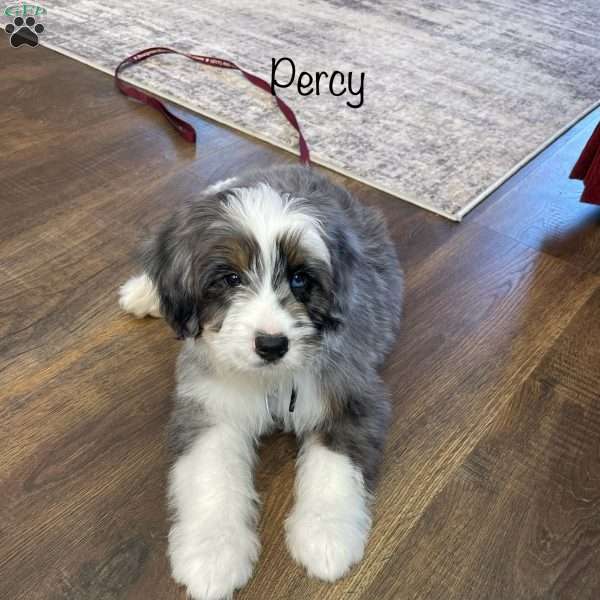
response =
{"points": [[168, 261]]}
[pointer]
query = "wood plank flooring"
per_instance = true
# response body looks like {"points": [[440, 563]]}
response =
{"points": [[491, 481]]}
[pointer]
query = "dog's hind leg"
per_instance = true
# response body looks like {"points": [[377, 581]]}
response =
{"points": [[139, 297]]}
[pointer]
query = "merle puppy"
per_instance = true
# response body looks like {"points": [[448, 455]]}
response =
{"points": [[287, 293]]}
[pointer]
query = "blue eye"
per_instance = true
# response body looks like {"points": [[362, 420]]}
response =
{"points": [[233, 280], [297, 281]]}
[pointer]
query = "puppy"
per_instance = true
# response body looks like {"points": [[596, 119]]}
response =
{"points": [[287, 294]]}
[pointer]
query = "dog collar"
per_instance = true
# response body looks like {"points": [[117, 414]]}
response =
{"points": [[292, 405]]}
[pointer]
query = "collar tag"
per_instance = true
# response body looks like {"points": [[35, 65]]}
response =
{"points": [[293, 399]]}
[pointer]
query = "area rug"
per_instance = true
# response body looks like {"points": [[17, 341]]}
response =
{"points": [[457, 95]]}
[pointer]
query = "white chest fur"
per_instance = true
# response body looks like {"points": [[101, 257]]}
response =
{"points": [[254, 404]]}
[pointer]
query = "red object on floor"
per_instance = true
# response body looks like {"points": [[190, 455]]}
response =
{"points": [[183, 127], [587, 169]]}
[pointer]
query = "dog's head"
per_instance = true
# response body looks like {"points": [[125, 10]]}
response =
{"points": [[255, 273]]}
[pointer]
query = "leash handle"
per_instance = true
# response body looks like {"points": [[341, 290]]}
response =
{"points": [[183, 127]]}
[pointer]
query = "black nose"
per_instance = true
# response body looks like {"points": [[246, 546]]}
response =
{"points": [[271, 347]]}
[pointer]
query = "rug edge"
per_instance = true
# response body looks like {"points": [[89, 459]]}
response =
{"points": [[404, 197], [467, 208]]}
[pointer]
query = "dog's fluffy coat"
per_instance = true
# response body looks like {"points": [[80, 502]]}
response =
{"points": [[281, 253]]}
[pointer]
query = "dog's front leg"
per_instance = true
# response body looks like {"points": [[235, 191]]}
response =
{"points": [[213, 542], [328, 528]]}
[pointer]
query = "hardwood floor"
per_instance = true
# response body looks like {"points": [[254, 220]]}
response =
{"points": [[491, 481]]}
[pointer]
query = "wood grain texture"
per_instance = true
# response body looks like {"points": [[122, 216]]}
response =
{"points": [[540, 207], [491, 481]]}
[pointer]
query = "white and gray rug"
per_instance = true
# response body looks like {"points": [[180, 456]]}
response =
{"points": [[457, 94]]}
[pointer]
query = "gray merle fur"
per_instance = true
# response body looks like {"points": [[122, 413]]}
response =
{"points": [[356, 307]]}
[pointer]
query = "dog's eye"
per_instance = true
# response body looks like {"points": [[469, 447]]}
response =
{"points": [[297, 281], [233, 279]]}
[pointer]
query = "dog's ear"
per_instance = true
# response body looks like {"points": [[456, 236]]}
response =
{"points": [[168, 260]]}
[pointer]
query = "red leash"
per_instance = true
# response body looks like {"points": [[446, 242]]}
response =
{"points": [[183, 127]]}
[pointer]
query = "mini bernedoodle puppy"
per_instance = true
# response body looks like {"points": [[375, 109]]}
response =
{"points": [[287, 292]]}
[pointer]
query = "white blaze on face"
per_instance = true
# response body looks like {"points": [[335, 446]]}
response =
{"points": [[265, 314], [266, 216]]}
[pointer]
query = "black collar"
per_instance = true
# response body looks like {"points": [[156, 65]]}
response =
{"points": [[293, 399]]}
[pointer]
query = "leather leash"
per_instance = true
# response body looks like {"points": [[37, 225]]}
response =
{"points": [[183, 127]]}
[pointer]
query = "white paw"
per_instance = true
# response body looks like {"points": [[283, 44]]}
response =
{"points": [[327, 543], [212, 566], [139, 297]]}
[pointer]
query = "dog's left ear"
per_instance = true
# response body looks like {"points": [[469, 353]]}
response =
{"points": [[168, 262]]}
